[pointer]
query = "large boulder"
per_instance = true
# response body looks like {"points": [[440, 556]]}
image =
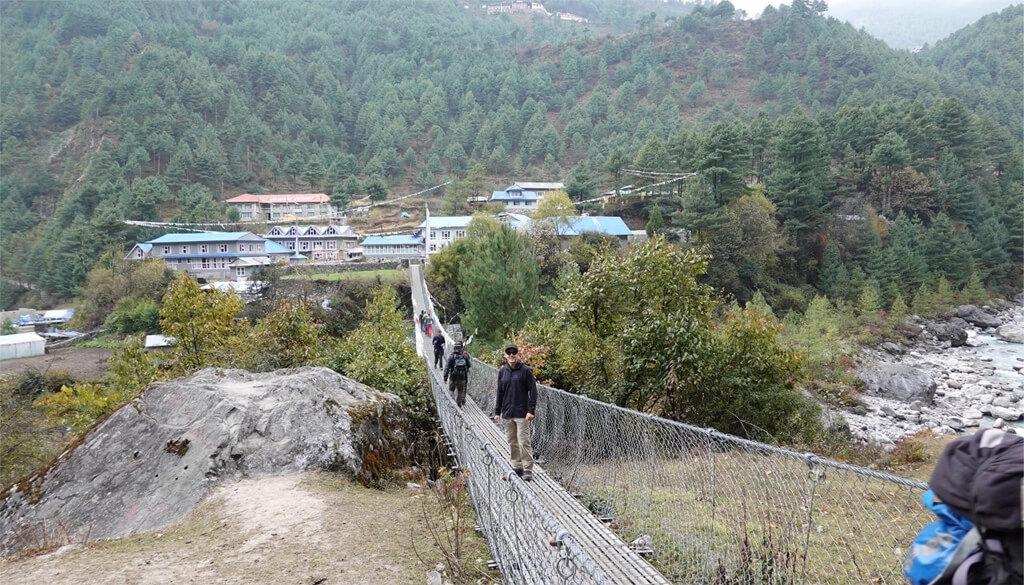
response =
{"points": [[152, 461], [952, 332], [898, 382], [1011, 332], [975, 316]]}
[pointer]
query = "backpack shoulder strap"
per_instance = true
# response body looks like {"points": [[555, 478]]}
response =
{"points": [[965, 555]]}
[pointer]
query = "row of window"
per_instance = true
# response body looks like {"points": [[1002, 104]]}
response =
{"points": [[392, 249], [221, 248], [447, 234], [303, 246]]}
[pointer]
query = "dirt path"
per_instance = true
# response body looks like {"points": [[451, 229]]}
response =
{"points": [[316, 528], [83, 363]]}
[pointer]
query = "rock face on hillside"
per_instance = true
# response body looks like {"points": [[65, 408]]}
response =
{"points": [[153, 460], [898, 382]]}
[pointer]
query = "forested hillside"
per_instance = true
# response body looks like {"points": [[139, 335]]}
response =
{"points": [[870, 167]]}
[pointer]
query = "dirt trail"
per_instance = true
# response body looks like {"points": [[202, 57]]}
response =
{"points": [[312, 528]]}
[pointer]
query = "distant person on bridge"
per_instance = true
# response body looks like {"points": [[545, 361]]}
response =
{"points": [[516, 403], [457, 370], [428, 325], [438, 342]]}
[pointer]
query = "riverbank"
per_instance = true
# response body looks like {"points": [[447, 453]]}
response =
{"points": [[973, 386]]}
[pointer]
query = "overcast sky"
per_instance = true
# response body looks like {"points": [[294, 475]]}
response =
{"points": [[754, 7]]}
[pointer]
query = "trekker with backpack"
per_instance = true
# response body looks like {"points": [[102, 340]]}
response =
{"points": [[438, 342], [516, 403], [976, 492], [457, 370]]}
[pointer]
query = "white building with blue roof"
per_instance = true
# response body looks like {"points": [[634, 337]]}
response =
{"points": [[516, 200], [215, 255], [398, 247], [439, 231]]}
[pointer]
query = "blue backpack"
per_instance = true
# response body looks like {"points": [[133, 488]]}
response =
{"points": [[940, 547]]}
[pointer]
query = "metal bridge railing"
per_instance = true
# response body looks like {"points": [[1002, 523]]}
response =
{"points": [[714, 508]]}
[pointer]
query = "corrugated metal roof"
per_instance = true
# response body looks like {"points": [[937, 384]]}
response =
{"points": [[281, 199], [205, 237], [392, 241], [19, 338], [527, 186], [606, 224], [452, 221], [273, 247]]}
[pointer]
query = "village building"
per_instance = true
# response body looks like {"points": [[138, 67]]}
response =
{"points": [[215, 255], [297, 206], [396, 247], [317, 242]]}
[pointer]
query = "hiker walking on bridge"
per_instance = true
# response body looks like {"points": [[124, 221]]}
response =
{"points": [[438, 342], [457, 370], [516, 403]]}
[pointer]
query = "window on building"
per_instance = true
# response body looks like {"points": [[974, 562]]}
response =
{"points": [[167, 250], [305, 246], [433, 247], [319, 245], [460, 234], [184, 249], [202, 249], [223, 248], [446, 235], [139, 253], [240, 271], [291, 245], [331, 231], [331, 244], [241, 247]]}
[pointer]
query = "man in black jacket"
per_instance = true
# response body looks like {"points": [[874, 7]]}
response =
{"points": [[516, 403], [457, 369]]}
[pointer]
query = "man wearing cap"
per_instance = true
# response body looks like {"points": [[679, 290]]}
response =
{"points": [[516, 403]]}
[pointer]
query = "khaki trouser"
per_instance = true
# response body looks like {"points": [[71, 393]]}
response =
{"points": [[517, 431]]}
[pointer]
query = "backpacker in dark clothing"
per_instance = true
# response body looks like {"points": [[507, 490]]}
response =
{"points": [[980, 477], [456, 373]]}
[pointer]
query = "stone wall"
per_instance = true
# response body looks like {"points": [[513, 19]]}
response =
{"points": [[329, 267]]}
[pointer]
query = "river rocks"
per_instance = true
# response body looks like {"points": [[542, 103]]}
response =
{"points": [[970, 393], [152, 461], [898, 382], [1011, 332]]}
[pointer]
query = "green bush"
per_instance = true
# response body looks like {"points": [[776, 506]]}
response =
{"points": [[135, 315]]}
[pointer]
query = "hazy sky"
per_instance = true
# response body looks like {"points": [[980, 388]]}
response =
{"points": [[754, 7]]}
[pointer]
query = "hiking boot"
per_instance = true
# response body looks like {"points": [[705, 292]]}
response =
{"points": [[527, 475], [519, 472]]}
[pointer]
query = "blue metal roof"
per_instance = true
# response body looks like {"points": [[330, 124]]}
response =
{"points": [[194, 238], [606, 224], [392, 241], [506, 196], [273, 247]]}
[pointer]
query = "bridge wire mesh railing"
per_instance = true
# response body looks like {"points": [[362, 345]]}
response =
{"points": [[716, 508], [527, 543]]}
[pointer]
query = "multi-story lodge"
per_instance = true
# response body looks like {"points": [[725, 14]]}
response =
{"points": [[318, 242], [299, 206], [392, 247], [215, 255]]}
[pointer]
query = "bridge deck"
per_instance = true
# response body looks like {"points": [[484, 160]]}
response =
{"points": [[607, 550]]}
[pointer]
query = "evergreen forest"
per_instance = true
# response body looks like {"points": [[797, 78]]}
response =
{"points": [[826, 162]]}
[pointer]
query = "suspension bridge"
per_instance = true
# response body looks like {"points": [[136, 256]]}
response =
{"points": [[624, 497]]}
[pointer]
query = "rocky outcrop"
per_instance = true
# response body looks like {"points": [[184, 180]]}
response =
{"points": [[898, 382], [153, 460], [975, 316]]}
